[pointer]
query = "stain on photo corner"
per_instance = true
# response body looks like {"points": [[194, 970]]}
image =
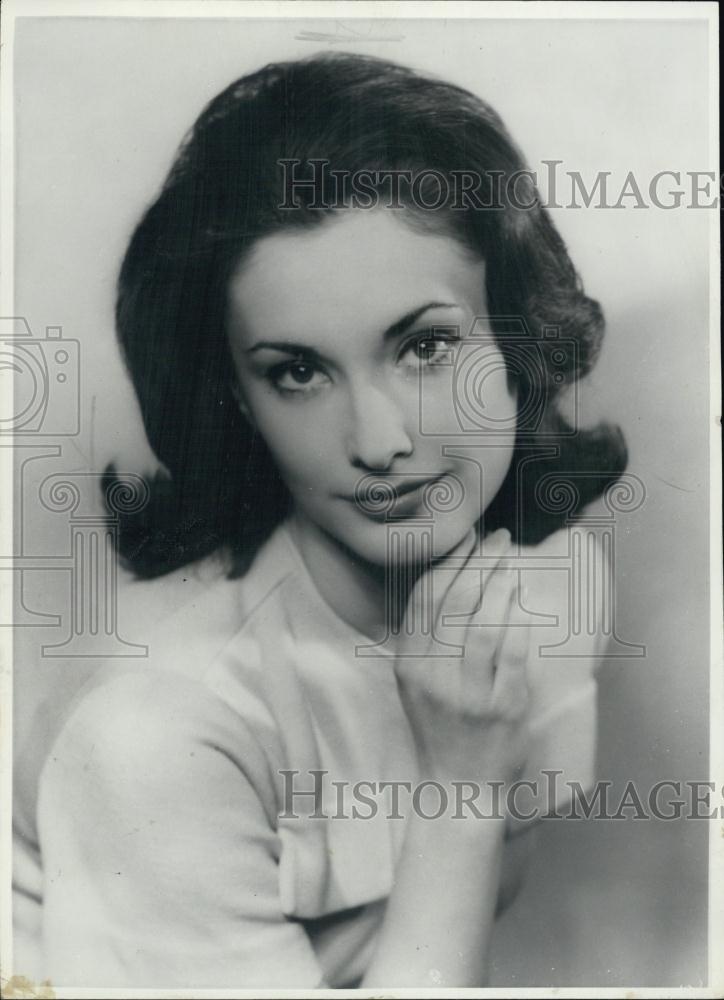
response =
{"points": [[21, 986]]}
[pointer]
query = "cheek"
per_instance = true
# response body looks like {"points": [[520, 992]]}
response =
{"points": [[499, 445], [469, 398], [299, 445], [481, 427], [468, 410], [437, 410]]}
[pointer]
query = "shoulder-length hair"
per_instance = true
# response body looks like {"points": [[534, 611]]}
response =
{"points": [[220, 489]]}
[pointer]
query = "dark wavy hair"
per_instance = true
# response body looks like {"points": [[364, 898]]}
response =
{"points": [[219, 489]]}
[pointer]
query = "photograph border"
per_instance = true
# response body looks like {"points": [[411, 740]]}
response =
{"points": [[12, 10]]}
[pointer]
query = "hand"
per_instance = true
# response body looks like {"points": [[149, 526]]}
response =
{"points": [[468, 713], [468, 718]]}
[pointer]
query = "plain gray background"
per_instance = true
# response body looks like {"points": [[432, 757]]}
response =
{"points": [[101, 105]]}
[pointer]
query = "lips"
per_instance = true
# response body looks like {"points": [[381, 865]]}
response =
{"points": [[412, 485], [410, 500], [378, 496]]}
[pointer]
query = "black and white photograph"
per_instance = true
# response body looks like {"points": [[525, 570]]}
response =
{"points": [[361, 530]]}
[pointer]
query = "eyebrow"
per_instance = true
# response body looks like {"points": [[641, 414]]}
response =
{"points": [[397, 328]]}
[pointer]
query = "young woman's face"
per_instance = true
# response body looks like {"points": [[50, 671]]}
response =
{"points": [[354, 343]]}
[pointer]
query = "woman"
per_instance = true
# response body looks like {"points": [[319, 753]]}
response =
{"points": [[348, 375]]}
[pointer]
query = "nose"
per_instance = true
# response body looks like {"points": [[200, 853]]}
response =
{"points": [[378, 433]]}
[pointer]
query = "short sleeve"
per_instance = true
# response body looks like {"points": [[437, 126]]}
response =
{"points": [[159, 851]]}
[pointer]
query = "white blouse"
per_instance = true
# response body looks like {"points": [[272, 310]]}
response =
{"points": [[154, 846]]}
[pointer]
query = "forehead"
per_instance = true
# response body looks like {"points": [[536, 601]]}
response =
{"points": [[369, 267]]}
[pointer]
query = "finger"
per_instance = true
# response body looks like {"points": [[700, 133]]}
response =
{"points": [[481, 628], [510, 678], [432, 584], [479, 597], [494, 547], [464, 593]]}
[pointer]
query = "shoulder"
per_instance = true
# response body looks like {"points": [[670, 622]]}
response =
{"points": [[567, 551], [136, 736], [185, 600], [188, 617], [565, 576], [564, 593], [564, 597], [182, 625], [127, 710]]}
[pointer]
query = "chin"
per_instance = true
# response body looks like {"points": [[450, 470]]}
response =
{"points": [[375, 542]]}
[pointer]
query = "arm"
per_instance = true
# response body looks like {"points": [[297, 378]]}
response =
{"points": [[440, 913], [465, 713], [159, 853], [517, 852], [462, 870]]}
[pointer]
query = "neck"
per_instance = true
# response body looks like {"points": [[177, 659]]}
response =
{"points": [[353, 588]]}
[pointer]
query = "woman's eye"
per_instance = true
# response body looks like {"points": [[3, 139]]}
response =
{"points": [[431, 349], [297, 377]]}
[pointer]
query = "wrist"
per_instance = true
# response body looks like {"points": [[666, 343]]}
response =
{"points": [[456, 811]]}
